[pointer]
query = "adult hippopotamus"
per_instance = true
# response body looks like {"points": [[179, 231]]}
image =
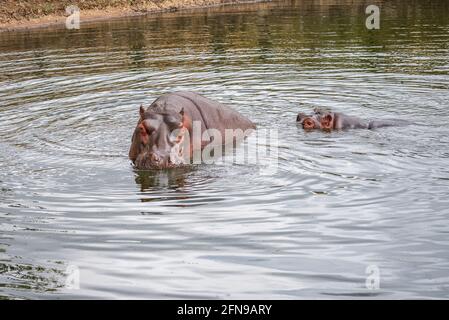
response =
{"points": [[328, 121], [178, 124]]}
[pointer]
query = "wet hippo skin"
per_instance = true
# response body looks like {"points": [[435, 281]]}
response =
{"points": [[162, 127], [329, 121]]}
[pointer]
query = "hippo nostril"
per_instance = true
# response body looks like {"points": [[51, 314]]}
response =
{"points": [[160, 161], [165, 162], [154, 158]]}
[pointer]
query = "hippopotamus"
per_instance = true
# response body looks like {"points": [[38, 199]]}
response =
{"points": [[177, 124], [328, 121]]}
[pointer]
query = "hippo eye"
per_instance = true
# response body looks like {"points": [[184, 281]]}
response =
{"points": [[174, 124], [172, 121]]}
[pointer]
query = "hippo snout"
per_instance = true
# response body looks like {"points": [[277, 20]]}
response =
{"points": [[160, 161]]}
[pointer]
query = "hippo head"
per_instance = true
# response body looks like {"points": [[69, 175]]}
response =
{"points": [[309, 122], [157, 142], [327, 121]]}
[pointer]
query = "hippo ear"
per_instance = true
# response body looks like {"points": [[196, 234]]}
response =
{"points": [[182, 112], [142, 111], [326, 120], [300, 116]]}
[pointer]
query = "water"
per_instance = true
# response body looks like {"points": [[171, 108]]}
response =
{"points": [[338, 203]]}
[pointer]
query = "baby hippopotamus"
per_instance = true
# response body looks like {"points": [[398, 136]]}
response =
{"points": [[328, 121]]}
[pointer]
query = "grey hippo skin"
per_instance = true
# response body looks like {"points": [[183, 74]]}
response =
{"points": [[158, 139], [328, 121]]}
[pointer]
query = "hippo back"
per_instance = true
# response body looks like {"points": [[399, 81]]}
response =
{"points": [[211, 114]]}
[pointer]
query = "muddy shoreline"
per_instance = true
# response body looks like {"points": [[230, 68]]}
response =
{"points": [[35, 14]]}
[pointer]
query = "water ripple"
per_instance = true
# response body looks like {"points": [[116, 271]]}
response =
{"points": [[335, 204]]}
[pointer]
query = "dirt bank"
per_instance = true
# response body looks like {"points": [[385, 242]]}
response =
{"points": [[15, 15]]}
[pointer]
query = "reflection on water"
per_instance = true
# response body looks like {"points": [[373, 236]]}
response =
{"points": [[155, 180], [336, 204]]}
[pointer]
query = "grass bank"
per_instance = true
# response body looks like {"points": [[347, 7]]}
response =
{"points": [[25, 14]]}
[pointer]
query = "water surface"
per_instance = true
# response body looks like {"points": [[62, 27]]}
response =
{"points": [[337, 204]]}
